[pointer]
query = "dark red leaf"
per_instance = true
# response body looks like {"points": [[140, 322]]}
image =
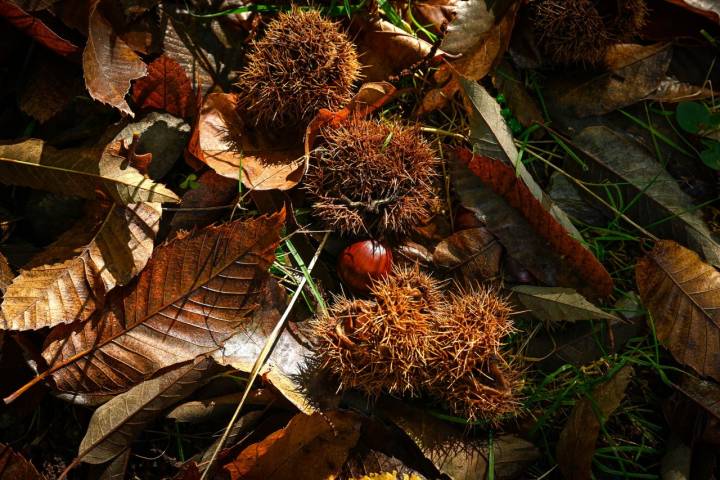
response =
{"points": [[165, 87]]}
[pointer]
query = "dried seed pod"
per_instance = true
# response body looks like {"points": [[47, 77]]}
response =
{"points": [[372, 177], [581, 31], [301, 64], [362, 262]]}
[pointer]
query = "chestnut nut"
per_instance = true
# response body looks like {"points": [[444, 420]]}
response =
{"points": [[362, 262]]}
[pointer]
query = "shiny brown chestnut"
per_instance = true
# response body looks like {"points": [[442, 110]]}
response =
{"points": [[362, 262]]}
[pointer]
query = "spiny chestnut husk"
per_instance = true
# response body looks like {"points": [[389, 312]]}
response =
{"points": [[303, 63], [582, 31], [412, 338], [372, 177], [362, 262]]}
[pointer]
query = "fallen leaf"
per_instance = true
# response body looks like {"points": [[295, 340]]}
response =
{"points": [[196, 292], [70, 278], [650, 196], [109, 64], [285, 366], [117, 423], [523, 105], [683, 295], [672, 90], [576, 444], [308, 448], [474, 251], [634, 73], [114, 470], [76, 172], [452, 452], [530, 234], [552, 304], [51, 86], [703, 392], [222, 407], [14, 466], [384, 49], [165, 87], [6, 274], [198, 206], [259, 159], [36, 29], [492, 137]]}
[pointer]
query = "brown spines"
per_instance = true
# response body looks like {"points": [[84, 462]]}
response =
{"points": [[581, 31], [301, 64], [372, 177], [412, 338]]}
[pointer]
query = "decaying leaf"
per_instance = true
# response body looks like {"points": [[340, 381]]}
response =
{"points": [[233, 150], [51, 86], [35, 28], [552, 304], [576, 445], [196, 292], [109, 64], [6, 274], [14, 466], [703, 392], [530, 234], [708, 8], [76, 172], [640, 184], [313, 446], [284, 366], [212, 190], [683, 294], [453, 453], [634, 73], [523, 105], [492, 137], [165, 87], [474, 251], [70, 278], [115, 424]]}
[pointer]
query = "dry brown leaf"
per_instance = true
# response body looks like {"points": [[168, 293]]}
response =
{"points": [[708, 8], [576, 444], [227, 146], [51, 86], [109, 64], [14, 466], [77, 172], [212, 190], [115, 425], [6, 274], [308, 448], [70, 278], [683, 295], [474, 251], [35, 28], [196, 292], [166, 87], [553, 304]]}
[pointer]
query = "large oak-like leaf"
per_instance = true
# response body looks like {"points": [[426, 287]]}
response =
{"points": [[109, 64], [70, 278], [195, 293], [639, 184], [683, 295], [115, 425], [531, 235], [78, 172]]}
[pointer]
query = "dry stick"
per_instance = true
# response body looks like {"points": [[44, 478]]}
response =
{"points": [[264, 353]]}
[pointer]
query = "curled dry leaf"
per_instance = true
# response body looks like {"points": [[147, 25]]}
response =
{"points": [[683, 295], [309, 447], [530, 234], [263, 162], [14, 466], [109, 63], [576, 445], [165, 87], [553, 304], [36, 29], [385, 49], [196, 292], [115, 425], [77, 172], [70, 278]]}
